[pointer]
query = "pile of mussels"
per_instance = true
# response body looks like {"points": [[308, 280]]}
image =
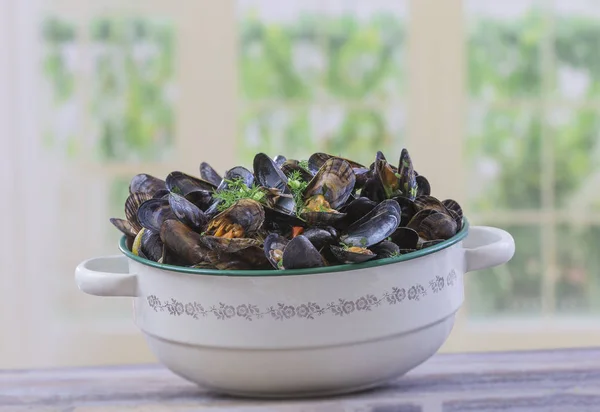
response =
{"points": [[286, 214]]}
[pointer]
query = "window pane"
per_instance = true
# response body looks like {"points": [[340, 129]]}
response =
{"points": [[578, 285], [305, 50], [504, 150], [576, 137], [577, 49], [60, 66], [504, 48], [132, 104], [514, 288]]}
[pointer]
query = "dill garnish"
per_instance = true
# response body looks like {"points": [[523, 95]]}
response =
{"points": [[237, 190]]}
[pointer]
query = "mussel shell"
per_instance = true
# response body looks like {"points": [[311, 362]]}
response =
{"points": [[358, 208], [152, 213], [423, 187], [160, 194], [362, 176], [183, 242], [290, 166], [415, 222], [375, 226], [279, 160], [408, 181], [184, 184], [209, 174], [226, 245], [187, 212], [373, 189], [335, 181], [247, 213], [321, 219], [237, 173], [300, 254], [275, 219], [132, 205], [275, 244], [429, 202], [405, 238], [455, 211], [268, 174], [429, 243], [201, 199], [457, 218], [437, 226], [408, 207], [124, 226], [317, 160], [145, 183], [151, 245], [321, 237], [385, 249], [345, 256], [282, 202], [390, 182]]}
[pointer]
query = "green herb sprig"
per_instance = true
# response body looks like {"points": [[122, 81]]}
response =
{"points": [[297, 186], [237, 190]]}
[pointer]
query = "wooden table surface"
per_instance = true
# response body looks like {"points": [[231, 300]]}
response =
{"points": [[561, 380]]}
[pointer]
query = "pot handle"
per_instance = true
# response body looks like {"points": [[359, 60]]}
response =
{"points": [[106, 276], [486, 247]]}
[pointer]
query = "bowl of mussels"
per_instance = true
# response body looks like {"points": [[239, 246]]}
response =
{"points": [[293, 278]]}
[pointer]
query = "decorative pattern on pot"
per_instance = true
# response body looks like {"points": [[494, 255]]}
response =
{"points": [[309, 310]]}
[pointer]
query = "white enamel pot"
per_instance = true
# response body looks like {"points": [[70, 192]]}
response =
{"points": [[299, 332]]}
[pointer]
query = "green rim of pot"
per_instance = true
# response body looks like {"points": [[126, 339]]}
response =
{"points": [[312, 271]]}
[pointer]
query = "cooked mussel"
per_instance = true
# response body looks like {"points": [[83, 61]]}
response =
{"points": [[152, 213], [145, 183], [299, 253], [375, 226], [209, 174], [187, 212]]}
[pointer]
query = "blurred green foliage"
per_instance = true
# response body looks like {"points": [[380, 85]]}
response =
{"points": [[131, 106], [134, 61], [506, 64], [353, 64]]}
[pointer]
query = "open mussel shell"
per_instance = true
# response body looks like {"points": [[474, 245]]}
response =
{"points": [[390, 182], [152, 213], [375, 226], [274, 245], [187, 212], [408, 208], [201, 199], [334, 181], [405, 238], [124, 226], [237, 173], [160, 194], [132, 205], [209, 174], [145, 183], [301, 254], [182, 243], [455, 211], [385, 249], [358, 208], [373, 189], [268, 174], [151, 245], [184, 184], [408, 178], [247, 213], [344, 255], [321, 237], [290, 166]]}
